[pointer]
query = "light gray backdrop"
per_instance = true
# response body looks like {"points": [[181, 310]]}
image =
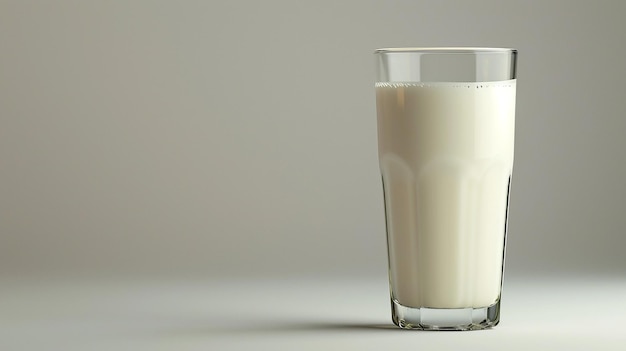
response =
{"points": [[214, 138]]}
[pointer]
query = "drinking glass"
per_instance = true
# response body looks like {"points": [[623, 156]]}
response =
{"points": [[446, 126]]}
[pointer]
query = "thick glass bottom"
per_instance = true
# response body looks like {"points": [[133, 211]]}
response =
{"points": [[445, 318]]}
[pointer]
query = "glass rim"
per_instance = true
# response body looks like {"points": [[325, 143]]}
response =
{"points": [[445, 50]]}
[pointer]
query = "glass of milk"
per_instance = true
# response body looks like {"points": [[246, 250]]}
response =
{"points": [[446, 124]]}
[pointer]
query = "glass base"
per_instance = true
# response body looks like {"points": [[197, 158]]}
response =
{"points": [[445, 318]]}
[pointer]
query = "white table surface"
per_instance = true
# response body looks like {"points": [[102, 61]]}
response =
{"points": [[294, 313]]}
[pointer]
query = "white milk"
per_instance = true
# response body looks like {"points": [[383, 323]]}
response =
{"points": [[446, 155]]}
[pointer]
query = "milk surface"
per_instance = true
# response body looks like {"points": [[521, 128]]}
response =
{"points": [[446, 155]]}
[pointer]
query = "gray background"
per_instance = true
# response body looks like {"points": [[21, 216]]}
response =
{"points": [[238, 138]]}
